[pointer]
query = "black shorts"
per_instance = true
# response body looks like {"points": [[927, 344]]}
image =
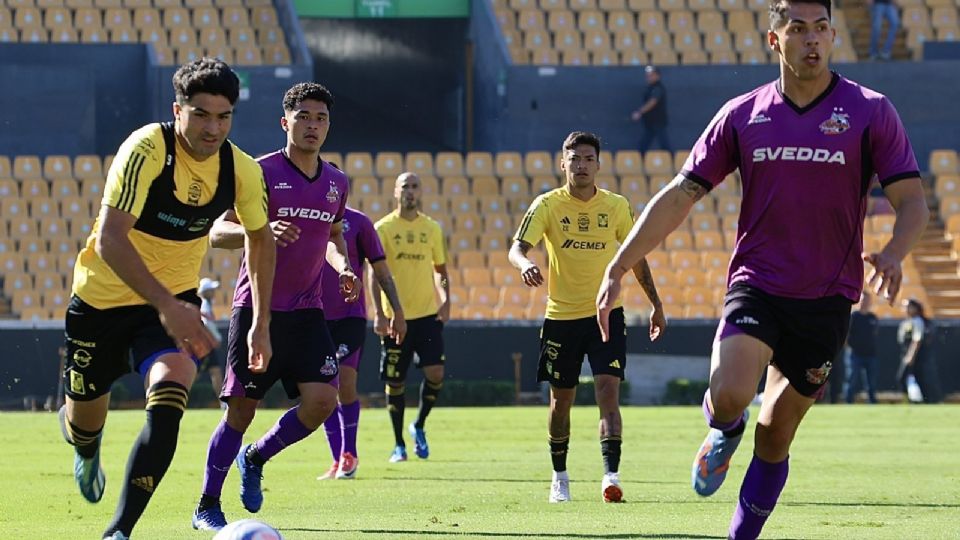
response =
{"points": [[348, 335], [805, 335], [563, 344], [103, 344], [424, 337], [302, 352]]}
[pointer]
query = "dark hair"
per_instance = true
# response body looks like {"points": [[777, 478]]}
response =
{"points": [[778, 10], [918, 306], [306, 90], [582, 137], [206, 75]]}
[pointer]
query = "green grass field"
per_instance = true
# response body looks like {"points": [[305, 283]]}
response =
{"points": [[858, 472]]}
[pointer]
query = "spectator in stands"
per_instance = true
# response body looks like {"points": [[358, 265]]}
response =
{"points": [[135, 301], [417, 257], [796, 268], [880, 10], [862, 351], [913, 349], [653, 112], [581, 226], [211, 363]]}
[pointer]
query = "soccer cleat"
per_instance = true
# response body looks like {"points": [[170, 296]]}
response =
{"points": [[560, 490], [420, 446], [117, 535], [348, 467], [610, 488], [209, 519], [712, 461], [251, 495], [399, 454], [331, 473], [86, 471]]}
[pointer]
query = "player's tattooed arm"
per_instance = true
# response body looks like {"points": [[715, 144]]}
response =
{"points": [[645, 277], [692, 189]]}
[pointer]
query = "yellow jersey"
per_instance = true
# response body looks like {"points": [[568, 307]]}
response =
{"points": [[175, 264], [413, 248], [581, 238]]}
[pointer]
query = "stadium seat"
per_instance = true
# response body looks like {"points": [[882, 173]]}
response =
{"points": [[449, 164], [690, 46], [43, 207], [479, 164], [678, 240], [271, 35], [684, 259], [388, 164], [48, 280], [472, 257], [452, 186], [9, 190], [514, 187], [419, 162], [463, 240], [32, 188], [242, 36], [944, 161], [16, 280], [508, 164], [536, 164], [358, 164], [509, 313], [708, 240], [493, 241], [26, 167], [543, 184], [658, 182], [434, 205], [728, 204], [946, 185], [57, 18], [483, 295], [699, 311], [658, 162], [462, 204], [364, 186], [492, 204]]}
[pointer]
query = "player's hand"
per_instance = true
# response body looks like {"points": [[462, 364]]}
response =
{"points": [[443, 314], [285, 232], [658, 322], [348, 286], [183, 323], [258, 343], [886, 275], [381, 325], [606, 299], [531, 276], [398, 328], [636, 115]]}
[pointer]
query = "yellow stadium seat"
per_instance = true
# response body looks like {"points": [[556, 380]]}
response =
{"points": [[32, 188], [17, 280], [702, 6], [492, 204], [434, 205], [748, 40], [651, 21], [493, 241], [419, 162], [9, 190], [57, 167], [641, 5], [48, 280], [543, 184], [125, 34], [529, 19], [364, 186], [6, 18], [596, 41], [13, 207], [358, 164], [506, 276], [509, 313], [947, 185], [462, 240], [44, 207], [247, 55], [471, 257], [40, 261], [699, 311], [590, 20], [680, 20], [272, 35], [536, 164], [462, 204], [508, 164], [92, 190], [449, 164], [242, 36], [944, 161], [515, 295], [715, 41], [454, 185], [708, 240], [157, 36], [702, 222], [145, 18], [235, 16], [633, 186], [483, 296], [484, 186], [915, 17], [26, 167], [388, 164], [515, 187], [27, 17], [761, 56], [583, 5], [688, 44], [561, 19], [760, 6], [567, 41], [212, 36], [181, 39], [57, 18], [264, 16], [29, 245], [469, 221], [714, 259], [656, 39], [479, 164], [684, 259], [626, 40], [619, 20], [728, 204], [74, 207], [678, 240], [658, 162]]}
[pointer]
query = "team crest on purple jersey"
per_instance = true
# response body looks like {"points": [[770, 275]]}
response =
{"points": [[329, 367], [334, 194], [819, 375], [838, 122]]}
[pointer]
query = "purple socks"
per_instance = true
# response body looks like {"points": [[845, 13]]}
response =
{"points": [[350, 418], [334, 437], [224, 445], [288, 430], [758, 496], [712, 422]]}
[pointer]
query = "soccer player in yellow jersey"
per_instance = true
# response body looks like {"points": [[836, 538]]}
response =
{"points": [[582, 227], [135, 302], [415, 250]]}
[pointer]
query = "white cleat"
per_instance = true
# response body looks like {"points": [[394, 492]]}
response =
{"points": [[560, 489], [610, 488]]}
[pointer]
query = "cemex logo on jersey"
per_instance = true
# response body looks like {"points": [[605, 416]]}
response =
{"points": [[581, 244], [305, 213], [798, 153]]}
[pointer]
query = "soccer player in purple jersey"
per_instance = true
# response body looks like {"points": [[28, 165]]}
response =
{"points": [[307, 201], [347, 322], [806, 146]]}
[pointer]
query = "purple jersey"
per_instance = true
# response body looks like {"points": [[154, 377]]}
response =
{"points": [[362, 244], [312, 204], [806, 174]]}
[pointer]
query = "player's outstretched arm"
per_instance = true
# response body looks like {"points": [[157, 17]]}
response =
{"points": [[529, 271], [260, 249], [380, 323], [384, 279], [658, 320], [181, 319], [665, 212], [908, 199]]}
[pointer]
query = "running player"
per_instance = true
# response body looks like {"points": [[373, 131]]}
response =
{"points": [[135, 281], [581, 225], [415, 250], [807, 146], [307, 202], [348, 327]]}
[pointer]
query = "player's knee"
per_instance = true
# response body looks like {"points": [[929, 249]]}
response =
{"points": [[729, 400]]}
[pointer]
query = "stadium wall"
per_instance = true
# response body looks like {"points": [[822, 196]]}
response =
{"points": [[29, 360]]}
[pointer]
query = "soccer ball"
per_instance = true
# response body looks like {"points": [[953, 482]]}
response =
{"points": [[248, 529]]}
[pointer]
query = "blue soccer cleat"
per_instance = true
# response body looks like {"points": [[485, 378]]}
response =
{"points": [[399, 454], [251, 494], [420, 446], [209, 519], [86, 471], [712, 461]]}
